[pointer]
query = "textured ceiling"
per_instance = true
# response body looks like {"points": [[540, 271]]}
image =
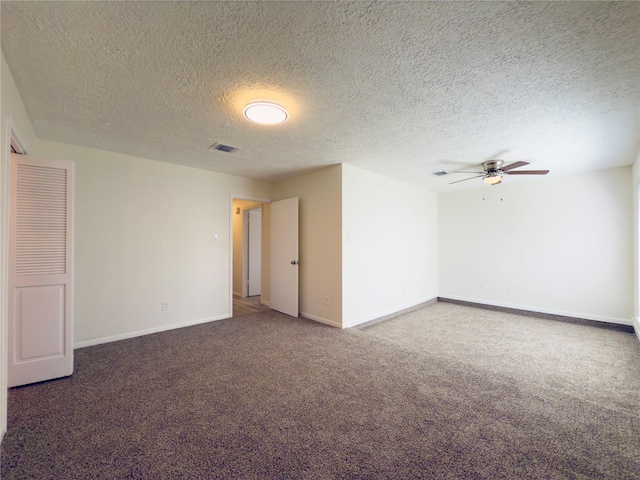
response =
{"points": [[399, 88]]}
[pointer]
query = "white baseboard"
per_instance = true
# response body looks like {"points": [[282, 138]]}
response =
{"points": [[586, 316], [320, 320], [265, 303], [384, 313], [636, 326], [139, 333]]}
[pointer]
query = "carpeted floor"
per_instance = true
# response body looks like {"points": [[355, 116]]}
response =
{"points": [[444, 392]]}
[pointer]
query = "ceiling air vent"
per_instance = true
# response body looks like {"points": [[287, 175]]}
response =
{"points": [[440, 173], [221, 147]]}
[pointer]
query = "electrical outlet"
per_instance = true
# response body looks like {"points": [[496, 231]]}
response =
{"points": [[507, 289], [483, 287], [165, 306], [326, 300]]}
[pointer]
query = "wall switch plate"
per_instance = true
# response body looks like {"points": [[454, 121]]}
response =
{"points": [[165, 306]]}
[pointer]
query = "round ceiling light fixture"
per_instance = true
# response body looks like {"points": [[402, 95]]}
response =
{"points": [[265, 113], [493, 179]]}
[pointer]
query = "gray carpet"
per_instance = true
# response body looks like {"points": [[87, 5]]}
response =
{"points": [[444, 392]]}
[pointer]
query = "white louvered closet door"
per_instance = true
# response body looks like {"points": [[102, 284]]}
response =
{"points": [[40, 270]]}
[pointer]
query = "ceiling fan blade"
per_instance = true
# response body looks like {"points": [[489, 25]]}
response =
{"points": [[528, 172], [514, 165], [465, 179]]}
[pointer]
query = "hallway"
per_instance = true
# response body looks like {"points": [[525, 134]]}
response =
{"points": [[243, 306]]}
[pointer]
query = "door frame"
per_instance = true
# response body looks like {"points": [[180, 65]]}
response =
{"points": [[233, 197], [12, 138]]}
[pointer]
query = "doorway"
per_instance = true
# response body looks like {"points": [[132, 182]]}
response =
{"points": [[249, 263], [273, 245]]}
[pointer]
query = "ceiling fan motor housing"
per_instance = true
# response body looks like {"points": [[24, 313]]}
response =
{"points": [[492, 165]]}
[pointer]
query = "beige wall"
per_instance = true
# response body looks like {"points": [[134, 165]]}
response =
{"points": [[146, 234], [320, 211], [560, 245]]}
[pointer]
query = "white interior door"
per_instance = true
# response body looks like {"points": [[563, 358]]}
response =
{"points": [[40, 270], [284, 256], [255, 252]]}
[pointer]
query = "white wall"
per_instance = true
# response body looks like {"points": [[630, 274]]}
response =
{"points": [[145, 234], [390, 245], [320, 241], [561, 245], [14, 116]]}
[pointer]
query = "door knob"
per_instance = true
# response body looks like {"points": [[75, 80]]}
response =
{"points": [[294, 262]]}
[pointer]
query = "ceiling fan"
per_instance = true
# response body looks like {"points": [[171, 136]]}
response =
{"points": [[493, 171]]}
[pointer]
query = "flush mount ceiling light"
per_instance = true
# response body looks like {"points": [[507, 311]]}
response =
{"points": [[265, 113]]}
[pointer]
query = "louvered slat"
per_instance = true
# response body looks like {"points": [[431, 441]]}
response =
{"points": [[41, 220]]}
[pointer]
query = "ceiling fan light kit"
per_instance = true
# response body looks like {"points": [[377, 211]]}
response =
{"points": [[493, 179], [494, 171]]}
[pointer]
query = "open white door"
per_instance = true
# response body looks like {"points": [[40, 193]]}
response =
{"points": [[40, 270], [254, 263], [284, 256]]}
